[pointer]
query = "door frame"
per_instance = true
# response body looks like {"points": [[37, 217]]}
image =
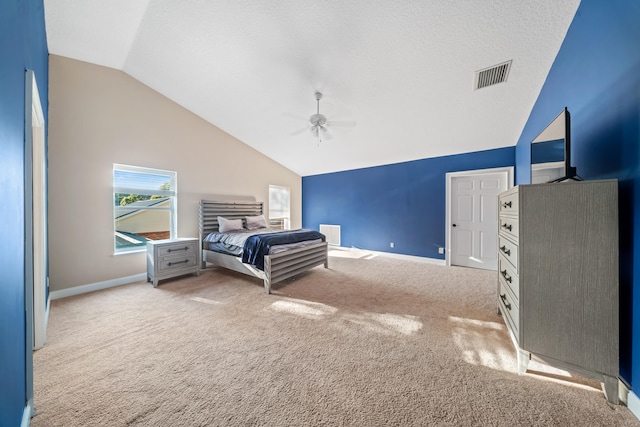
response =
{"points": [[36, 242], [449, 176], [39, 218]]}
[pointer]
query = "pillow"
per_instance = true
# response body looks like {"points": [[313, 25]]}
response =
{"points": [[225, 224], [255, 222]]}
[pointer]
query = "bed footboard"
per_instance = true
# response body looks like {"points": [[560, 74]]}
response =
{"points": [[231, 262], [277, 267], [286, 264]]}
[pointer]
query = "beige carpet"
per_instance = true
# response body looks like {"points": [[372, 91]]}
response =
{"points": [[369, 342]]}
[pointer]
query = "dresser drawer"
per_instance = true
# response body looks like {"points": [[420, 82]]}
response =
{"points": [[508, 276], [509, 203], [509, 226], [177, 249], [509, 310], [509, 250]]}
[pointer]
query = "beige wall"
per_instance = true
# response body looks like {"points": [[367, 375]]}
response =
{"points": [[100, 116]]}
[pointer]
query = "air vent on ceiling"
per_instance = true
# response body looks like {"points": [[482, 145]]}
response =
{"points": [[492, 75]]}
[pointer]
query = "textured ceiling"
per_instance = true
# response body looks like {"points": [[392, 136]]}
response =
{"points": [[402, 70]]}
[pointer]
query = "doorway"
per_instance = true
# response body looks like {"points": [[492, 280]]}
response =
{"points": [[35, 211], [472, 216], [35, 140]]}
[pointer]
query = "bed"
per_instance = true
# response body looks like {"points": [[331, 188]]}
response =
{"points": [[283, 263]]}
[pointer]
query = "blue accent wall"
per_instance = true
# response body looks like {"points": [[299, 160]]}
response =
{"points": [[23, 45], [596, 74], [403, 203]]}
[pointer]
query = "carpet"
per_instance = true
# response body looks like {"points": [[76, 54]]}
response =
{"points": [[372, 341]]}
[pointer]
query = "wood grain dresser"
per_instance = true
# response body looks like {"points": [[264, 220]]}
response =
{"points": [[558, 276]]}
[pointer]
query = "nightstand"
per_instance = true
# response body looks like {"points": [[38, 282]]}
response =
{"points": [[170, 258]]}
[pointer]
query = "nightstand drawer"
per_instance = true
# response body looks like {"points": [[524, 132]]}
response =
{"points": [[178, 262], [177, 249]]}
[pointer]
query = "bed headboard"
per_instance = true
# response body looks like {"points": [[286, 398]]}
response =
{"points": [[211, 209]]}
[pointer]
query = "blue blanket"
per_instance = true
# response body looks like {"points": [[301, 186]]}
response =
{"points": [[257, 246]]}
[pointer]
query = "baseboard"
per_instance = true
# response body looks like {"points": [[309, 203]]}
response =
{"points": [[412, 258], [633, 403], [27, 413], [393, 255], [83, 289], [91, 287]]}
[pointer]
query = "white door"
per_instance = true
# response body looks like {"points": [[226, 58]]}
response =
{"points": [[474, 219]]}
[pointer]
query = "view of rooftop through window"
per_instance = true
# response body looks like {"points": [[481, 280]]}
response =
{"points": [[144, 206]]}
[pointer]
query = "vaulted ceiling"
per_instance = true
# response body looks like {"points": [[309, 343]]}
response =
{"points": [[402, 70]]}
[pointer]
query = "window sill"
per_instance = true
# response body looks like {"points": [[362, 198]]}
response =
{"points": [[132, 251]]}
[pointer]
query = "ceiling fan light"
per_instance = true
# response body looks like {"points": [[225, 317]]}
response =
{"points": [[318, 119], [325, 133]]}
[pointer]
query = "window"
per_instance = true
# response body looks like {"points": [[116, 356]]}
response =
{"points": [[144, 206], [279, 207]]}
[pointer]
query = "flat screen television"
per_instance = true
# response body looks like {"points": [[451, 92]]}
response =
{"points": [[551, 152]]}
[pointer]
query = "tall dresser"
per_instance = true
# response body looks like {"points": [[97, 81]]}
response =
{"points": [[558, 276]]}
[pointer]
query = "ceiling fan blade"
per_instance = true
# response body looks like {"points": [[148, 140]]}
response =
{"points": [[299, 131], [341, 123]]}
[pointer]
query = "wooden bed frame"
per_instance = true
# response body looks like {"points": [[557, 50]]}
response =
{"points": [[277, 267]]}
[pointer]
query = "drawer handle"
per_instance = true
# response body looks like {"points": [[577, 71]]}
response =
{"points": [[186, 248], [503, 297], [506, 205], [507, 226], [505, 250], [179, 262], [505, 275]]}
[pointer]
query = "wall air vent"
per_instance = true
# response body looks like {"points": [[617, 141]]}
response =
{"points": [[492, 75], [332, 233]]}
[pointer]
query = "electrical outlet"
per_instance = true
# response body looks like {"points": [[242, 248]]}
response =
{"points": [[392, 245], [440, 250]]}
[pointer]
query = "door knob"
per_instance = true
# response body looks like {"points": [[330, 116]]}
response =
{"points": [[454, 225]]}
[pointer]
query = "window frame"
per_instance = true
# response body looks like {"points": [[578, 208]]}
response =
{"points": [[171, 193]]}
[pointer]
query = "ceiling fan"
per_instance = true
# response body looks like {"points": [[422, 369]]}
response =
{"points": [[320, 124]]}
